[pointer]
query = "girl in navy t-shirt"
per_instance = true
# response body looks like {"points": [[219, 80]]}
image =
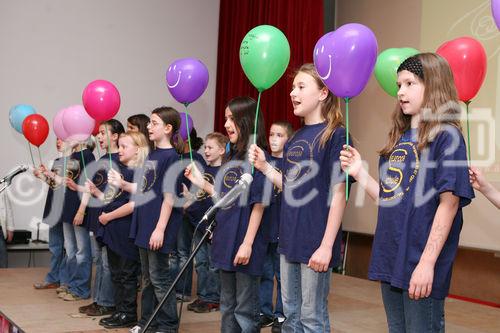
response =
{"points": [[312, 205], [238, 243], [424, 184], [156, 220]]}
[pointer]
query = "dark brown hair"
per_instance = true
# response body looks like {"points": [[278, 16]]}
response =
{"points": [[170, 116]]}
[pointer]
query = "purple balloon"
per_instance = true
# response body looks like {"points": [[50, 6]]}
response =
{"points": [[187, 79], [495, 12], [345, 59], [183, 131]]}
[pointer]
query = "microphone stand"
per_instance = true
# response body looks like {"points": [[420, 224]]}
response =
{"points": [[208, 231]]}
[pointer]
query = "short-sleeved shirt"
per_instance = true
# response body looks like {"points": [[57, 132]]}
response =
{"points": [[309, 175], [53, 209], [272, 212], [153, 181], [410, 186]]}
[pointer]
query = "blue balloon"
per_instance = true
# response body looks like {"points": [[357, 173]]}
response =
{"points": [[18, 113]]}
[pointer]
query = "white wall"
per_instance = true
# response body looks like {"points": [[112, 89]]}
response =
{"points": [[50, 50]]}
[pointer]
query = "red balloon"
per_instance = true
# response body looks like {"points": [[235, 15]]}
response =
{"points": [[101, 100], [467, 60], [95, 131], [36, 129]]}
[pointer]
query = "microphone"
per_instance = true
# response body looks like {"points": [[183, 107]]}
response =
{"points": [[20, 169], [240, 187]]}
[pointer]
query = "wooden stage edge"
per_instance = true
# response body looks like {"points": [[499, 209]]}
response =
{"points": [[355, 305]]}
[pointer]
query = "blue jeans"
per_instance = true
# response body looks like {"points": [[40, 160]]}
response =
{"points": [[184, 238], [271, 269], [103, 293], [239, 302], [305, 298], [3, 250], [79, 262], [411, 316], [208, 283], [58, 272], [157, 277]]}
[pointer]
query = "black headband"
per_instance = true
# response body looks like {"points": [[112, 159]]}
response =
{"points": [[413, 65]]}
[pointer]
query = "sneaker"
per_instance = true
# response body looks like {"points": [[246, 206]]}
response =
{"points": [[62, 289], [265, 321], [83, 309], [206, 307], [278, 322], [45, 285], [62, 294], [180, 297], [100, 310], [193, 305], [71, 297], [135, 329]]}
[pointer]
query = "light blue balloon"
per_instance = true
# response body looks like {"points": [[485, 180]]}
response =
{"points": [[18, 113]]}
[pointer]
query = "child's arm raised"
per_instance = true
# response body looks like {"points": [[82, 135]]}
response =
{"points": [[245, 250], [423, 275], [121, 211], [480, 183], [257, 157], [195, 177], [350, 160], [115, 179]]}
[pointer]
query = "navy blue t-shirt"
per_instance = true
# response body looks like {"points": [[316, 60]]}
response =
{"points": [[75, 170], [55, 196], [100, 179], [232, 222], [152, 183], [115, 234], [272, 213], [202, 201], [410, 185], [309, 174]]}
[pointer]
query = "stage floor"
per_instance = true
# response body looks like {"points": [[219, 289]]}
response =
{"points": [[355, 306]]}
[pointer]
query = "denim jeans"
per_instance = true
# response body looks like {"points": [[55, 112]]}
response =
{"points": [[102, 293], [239, 302], [425, 315], [79, 261], [271, 269], [124, 276], [184, 238], [58, 272], [208, 283], [3, 250], [305, 298], [157, 277]]}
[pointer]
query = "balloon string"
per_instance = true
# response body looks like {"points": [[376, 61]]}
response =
{"points": [[109, 149], [97, 146], [83, 161], [31, 154], [39, 155], [468, 132], [255, 125], [188, 133], [347, 144]]}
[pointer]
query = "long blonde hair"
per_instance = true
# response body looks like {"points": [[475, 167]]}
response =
{"points": [[330, 106], [440, 104], [141, 143]]}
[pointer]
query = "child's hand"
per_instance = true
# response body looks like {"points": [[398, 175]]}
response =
{"points": [[115, 178], [350, 160], [243, 255], [104, 218], [421, 281], [70, 183], [91, 188], [320, 260], [78, 219], [477, 179], [185, 192], [156, 240], [257, 157], [194, 175]]}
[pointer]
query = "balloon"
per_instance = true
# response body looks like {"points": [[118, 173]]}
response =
{"points": [[495, 12], [467, 60], [57, 125], [187, 79], [387, 65], [182, 129], [264, 56], [35, 129], [101, 100], [17, 114], [77, 123], [95, 131], [345, 58]]}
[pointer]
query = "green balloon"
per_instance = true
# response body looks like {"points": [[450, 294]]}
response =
{"points": [[387, 65], [264, 56]]}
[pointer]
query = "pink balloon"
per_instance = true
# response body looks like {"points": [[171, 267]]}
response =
{"points": [[101, 100], [77, 123], [57, 125]]}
